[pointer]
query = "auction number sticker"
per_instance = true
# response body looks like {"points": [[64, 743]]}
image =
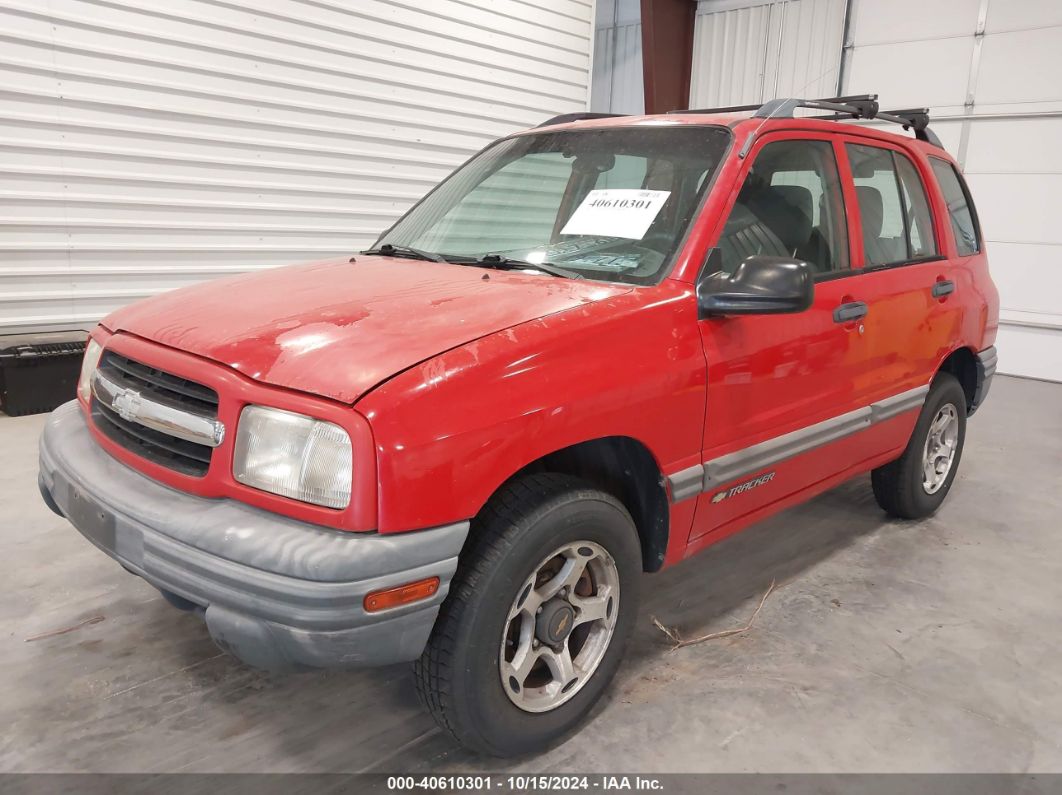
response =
{"points": [[616, 212]]}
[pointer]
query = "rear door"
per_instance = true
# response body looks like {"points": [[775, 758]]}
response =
{"points": [[900, 272]]}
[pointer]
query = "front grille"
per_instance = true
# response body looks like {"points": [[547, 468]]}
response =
{"points": [[153, 384]]}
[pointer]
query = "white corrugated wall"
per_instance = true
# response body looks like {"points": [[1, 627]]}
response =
{"points": [[989, 72], [618, 80], [146, 145], [987, 69], [747, 51]]}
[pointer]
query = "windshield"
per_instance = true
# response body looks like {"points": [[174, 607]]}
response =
{"points": [[608, 204]]}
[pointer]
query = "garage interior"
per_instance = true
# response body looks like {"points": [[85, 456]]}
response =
{"points": [[145, 147], [920, 646]]}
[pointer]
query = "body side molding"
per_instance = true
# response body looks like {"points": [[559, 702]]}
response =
{"points": [[757, 457], [686, 483]]}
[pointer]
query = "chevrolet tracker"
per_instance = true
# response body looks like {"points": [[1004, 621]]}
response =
{"points": [[597, 348]]}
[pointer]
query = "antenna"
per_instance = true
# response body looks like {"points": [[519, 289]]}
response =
{"points": [[779, 105], [864, 106]]}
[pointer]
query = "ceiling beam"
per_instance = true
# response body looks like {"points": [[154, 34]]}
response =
{"points": [[667, 53]]}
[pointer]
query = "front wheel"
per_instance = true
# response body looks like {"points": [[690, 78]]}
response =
{"points": [[914, 485], [537, 617]]}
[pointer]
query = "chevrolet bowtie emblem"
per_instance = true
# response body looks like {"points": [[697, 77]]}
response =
{"points": [[127, 404]]}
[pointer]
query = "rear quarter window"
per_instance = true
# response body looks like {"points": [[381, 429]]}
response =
{"points": [[960, 207]]}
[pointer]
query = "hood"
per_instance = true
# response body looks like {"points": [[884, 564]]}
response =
{"points": [[337, 329]]}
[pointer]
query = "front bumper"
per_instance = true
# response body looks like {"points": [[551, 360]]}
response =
{"points": [[277, 593]]}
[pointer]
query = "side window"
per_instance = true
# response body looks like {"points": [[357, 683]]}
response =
{"points": [[960, 207], [789, 205], [897, 223], [919, 218]]}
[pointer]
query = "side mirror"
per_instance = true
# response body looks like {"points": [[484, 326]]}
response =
{"points": [[760, 286]]}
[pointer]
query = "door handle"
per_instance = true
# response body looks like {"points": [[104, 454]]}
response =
{"points": [[942, 288], [846, 313]]}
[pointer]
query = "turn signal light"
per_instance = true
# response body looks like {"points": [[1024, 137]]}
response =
{"points": [[402, 595]]}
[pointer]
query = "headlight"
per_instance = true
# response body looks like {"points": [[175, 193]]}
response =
{"points": [[293, 455], [93, 351]]}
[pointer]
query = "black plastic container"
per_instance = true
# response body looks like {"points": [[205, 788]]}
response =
{"points": [[39, 372]]}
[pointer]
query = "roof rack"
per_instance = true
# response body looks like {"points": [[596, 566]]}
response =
{"points": [[564, 118], [860, 106]]}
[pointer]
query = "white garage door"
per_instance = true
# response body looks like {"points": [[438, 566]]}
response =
{"points": [[747, 51], [148, 145], [989, 70]]}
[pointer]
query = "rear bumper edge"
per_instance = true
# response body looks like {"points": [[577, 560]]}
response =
{"points": [[986, 369]]}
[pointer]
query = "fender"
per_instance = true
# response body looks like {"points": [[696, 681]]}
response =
{"points": [[451, 430]]}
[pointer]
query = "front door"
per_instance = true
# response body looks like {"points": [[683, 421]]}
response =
{"points": [[785, 392]]}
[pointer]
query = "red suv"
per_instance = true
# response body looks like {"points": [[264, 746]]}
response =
{"points": [[597, 348]]}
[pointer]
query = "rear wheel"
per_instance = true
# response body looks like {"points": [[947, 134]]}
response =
{"points": [[914, 485], [537, 617]]}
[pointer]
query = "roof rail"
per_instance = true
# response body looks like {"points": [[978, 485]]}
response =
{"points": [[916, 119], [863, 104], [564, 118], [859, 106]]}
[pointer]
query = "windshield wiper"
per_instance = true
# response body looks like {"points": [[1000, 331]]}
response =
{"points": [[389, 250], [510, 264]]}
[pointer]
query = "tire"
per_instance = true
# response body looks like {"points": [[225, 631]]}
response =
{"points": [[459, 677], [902, 488]]}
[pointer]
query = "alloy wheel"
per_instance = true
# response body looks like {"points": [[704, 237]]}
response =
{"points": [[938, 455], [559, 626]]}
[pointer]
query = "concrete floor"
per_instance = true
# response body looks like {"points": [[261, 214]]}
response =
{"points": [[888, 646]]}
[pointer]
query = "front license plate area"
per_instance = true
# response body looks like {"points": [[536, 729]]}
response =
{"points": [[86, 515]]}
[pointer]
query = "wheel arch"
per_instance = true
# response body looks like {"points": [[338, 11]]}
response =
{"points": [[624, 467], [962, 363]]}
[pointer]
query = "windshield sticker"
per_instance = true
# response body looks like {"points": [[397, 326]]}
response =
{"points": [[568, 248], [624, 262], [617, 212]]}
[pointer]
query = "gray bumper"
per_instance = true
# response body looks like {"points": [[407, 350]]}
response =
{"points": [[277, 593], [986, 368]]}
